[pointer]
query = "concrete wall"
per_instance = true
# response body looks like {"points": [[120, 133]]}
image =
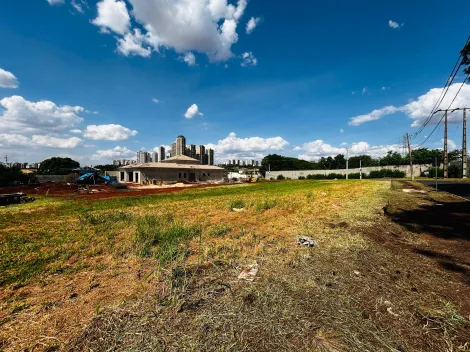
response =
{"points": [[52, 178], [169, 175], [417, 169]]}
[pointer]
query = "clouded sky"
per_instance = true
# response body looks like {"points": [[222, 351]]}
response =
{"points": [[97, 80]]}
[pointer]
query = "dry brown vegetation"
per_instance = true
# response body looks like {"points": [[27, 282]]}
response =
{"points": [[109, 275]]}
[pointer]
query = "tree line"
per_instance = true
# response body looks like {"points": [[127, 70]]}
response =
{"points": [[420, 156]]}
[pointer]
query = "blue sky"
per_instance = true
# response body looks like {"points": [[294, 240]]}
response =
{"points": [[302, 80]]}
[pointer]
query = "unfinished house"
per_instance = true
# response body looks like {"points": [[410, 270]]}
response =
{"points": [[177, 168]]}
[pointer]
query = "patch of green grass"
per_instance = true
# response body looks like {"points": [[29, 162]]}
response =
{"points": [[237, 203], [19, 307], [37, 238], [219, 230], [163, 237], [266, 205]]}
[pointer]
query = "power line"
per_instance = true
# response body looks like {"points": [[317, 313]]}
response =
{"points": [[444, 90], [466, 78]]}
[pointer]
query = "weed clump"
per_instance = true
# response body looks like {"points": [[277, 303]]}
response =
{"points": [[237, 204], [266, 205], [163, 237], [220, 230]]}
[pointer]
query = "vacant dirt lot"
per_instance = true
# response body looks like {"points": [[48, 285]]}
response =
{"points": [[389, 271]]}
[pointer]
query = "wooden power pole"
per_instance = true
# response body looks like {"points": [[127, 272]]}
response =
{"points": [[446, 155], [464, 145], [409, 154]]}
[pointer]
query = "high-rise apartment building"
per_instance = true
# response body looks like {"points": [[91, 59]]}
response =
{"points": [[161, 152], [173, 149], [180, 145], [200, 152], [154, 157], [210, 156], [192, 151], [143, 157]]}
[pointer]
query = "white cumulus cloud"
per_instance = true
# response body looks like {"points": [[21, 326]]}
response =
{"points": [[251, 24], [317, 149], [374, 115], [18, 140], [14, 140], [111, 132], [24, 116], [394, 25], [248, 59], [55, 2], [419, 109], [55, 142], [192, 111], [233, 147], [190, 59], [131, 44], [112, 15], [204, 26], [77, 6], [7, 79], [116, 152]]}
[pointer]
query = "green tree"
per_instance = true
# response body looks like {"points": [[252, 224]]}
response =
{"points": [[425, 156], [106, 167], [393, 158], [10, 175], [57, 166]]}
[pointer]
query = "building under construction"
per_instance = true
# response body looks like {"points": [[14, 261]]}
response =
{"points": [[177, 168]]}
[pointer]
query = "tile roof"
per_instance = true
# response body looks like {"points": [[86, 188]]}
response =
{"points": [[170, 166]]}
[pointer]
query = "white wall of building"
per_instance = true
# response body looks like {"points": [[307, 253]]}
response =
{"points": [[294, 174]]}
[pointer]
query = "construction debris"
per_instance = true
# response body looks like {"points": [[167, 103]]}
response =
{"points": [[306, 241], [409, 190], [249, 272], [15, 198], [238, 209], [92, 179]]}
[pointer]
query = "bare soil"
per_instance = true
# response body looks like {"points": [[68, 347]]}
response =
{"points": [[97, 191]]}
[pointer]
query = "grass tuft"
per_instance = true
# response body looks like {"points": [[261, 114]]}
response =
{"points": [[237, 203], [266, 205], [163, 237]]}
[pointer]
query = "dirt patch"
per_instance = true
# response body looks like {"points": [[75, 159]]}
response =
{"points": [[436, 227], [97, 191]]}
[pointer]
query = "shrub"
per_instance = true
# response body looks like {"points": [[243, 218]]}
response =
{"points": [[386, 173], [237, 203], [316, 177], [280, 177], [354, 176], [332, 176], [301, 178], [11, 175], [432, 172], [265, 205]]}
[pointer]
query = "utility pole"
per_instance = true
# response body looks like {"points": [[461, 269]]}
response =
{"points": [[446, 155], [347, 163], [464, 145], [464, 141], [409, 154]]}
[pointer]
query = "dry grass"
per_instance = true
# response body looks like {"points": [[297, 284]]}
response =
{"points": [[347, 294]]}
